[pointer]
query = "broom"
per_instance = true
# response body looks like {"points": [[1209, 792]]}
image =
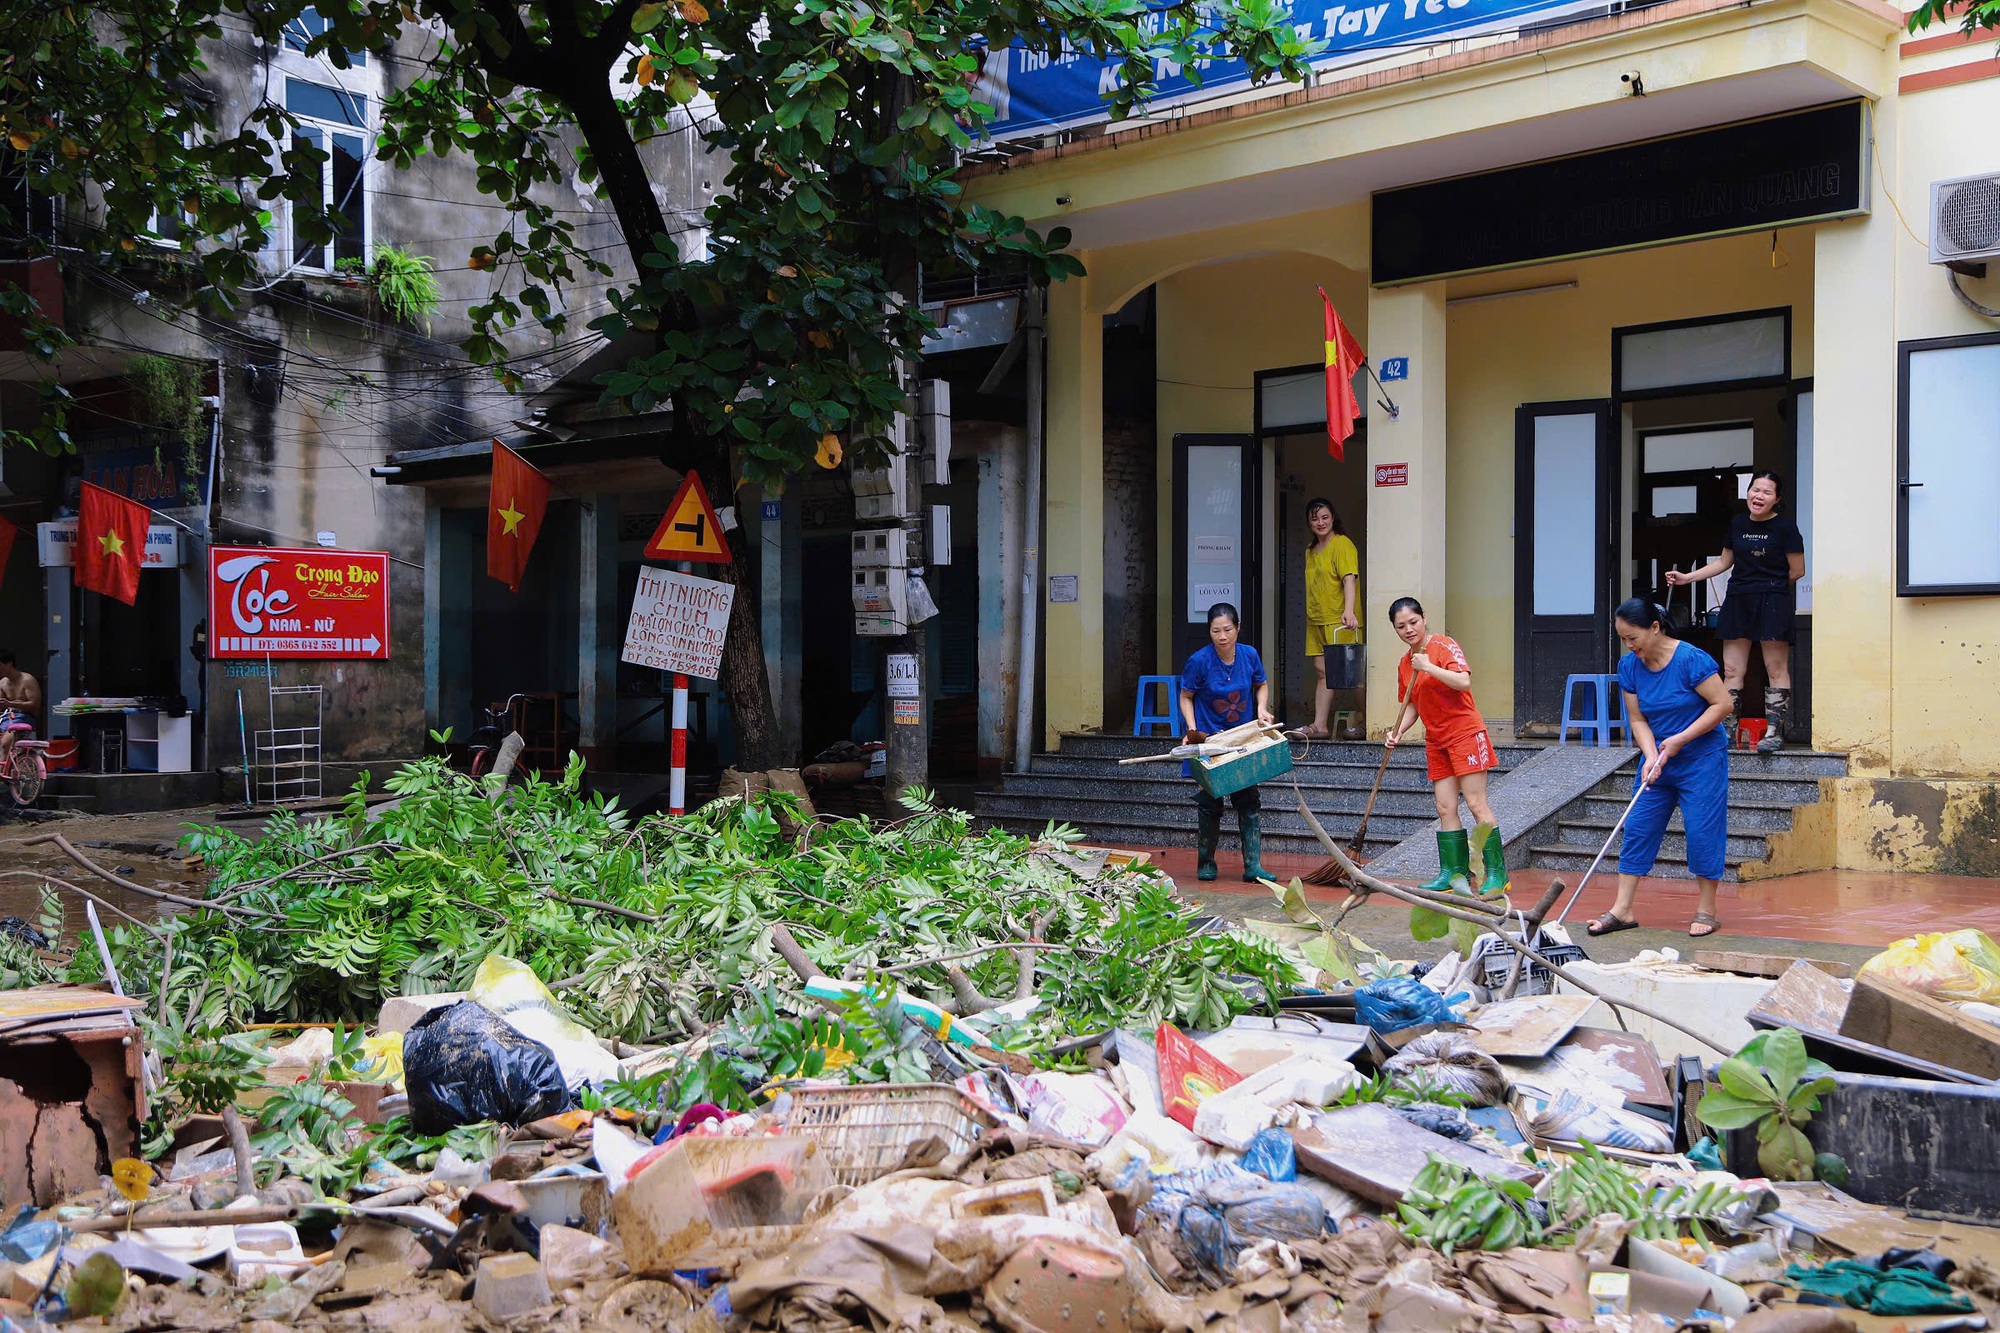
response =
{"points": [[1330, 874]]}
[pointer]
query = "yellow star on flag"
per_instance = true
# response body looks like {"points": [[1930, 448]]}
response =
{"points": [[112, 543], [511, 518]]}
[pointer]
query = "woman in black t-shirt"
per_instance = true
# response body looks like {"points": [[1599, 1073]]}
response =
{"points": [[1767, 557]]}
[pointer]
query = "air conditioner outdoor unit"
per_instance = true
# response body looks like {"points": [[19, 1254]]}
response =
{"points": [[1965, 219]]}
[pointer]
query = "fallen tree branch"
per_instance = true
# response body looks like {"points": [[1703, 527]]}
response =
{"points": [[238, 890], [1367, 883], [1024, 985], [1024, 945], [967, 999], [239, 1146], [1382, 886], [612, 908], [81, 892], [160, 895], [789, 950]]}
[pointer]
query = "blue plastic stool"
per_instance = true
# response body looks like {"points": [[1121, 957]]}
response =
{"points": [[1142, 720], [1604, 694]]}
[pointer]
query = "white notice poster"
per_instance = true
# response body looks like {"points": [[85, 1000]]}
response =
{"points": [[678, 622]]}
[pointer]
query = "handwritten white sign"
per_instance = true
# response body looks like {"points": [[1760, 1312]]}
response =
{"points": [[678, 623]]}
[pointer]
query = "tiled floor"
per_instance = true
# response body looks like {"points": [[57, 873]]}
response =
{"points": [[1832, 906]]}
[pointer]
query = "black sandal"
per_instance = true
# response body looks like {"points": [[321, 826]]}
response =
{"points": [[1610, 924]]}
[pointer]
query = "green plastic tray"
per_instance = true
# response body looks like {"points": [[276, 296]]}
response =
{"points": [[1247, 770]]}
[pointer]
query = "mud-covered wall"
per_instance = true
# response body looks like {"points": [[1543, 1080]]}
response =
{"points": [[1939, 827]]}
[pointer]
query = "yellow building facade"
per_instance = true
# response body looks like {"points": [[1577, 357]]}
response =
{"points": [[1231, 215]]}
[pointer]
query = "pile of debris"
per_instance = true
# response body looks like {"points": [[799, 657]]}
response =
{"points": [[853, 1133]]}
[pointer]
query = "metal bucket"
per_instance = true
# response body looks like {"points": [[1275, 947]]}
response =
{"points": [[1346, 663]]}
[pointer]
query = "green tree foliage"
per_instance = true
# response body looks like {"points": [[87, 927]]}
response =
{"points": [[662, 929], [1971, 17], [840, 122]]}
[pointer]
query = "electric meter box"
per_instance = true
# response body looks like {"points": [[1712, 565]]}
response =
{"points": [[879, 548], [882, 592]]}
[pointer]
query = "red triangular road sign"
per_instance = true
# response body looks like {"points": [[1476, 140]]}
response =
{"points": [[689, 529]]}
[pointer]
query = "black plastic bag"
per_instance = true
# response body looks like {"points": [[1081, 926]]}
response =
{"points": [[464, 1064]]}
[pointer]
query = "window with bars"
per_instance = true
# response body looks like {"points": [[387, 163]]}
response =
{"points": [[333, 122]]}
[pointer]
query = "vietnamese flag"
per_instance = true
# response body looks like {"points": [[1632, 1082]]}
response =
{"points": [[110, 543], [1343, 358], [8, 532], [514, 515]]}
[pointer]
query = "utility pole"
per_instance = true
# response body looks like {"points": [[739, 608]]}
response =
{"points": [[891, 598]]}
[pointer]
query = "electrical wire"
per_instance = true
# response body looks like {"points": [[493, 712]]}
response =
{"points": [[1882, 183]]}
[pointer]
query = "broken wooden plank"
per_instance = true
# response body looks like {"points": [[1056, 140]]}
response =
{"points": [[1371, 1151], [1804, 997], [1764, 964], [1815, 1004], [1530, 1027], [1887, 1013]]}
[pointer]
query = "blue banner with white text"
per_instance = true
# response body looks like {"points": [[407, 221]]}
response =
{"points": [[1032, 92]]}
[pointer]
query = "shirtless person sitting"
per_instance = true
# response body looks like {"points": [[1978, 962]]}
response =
{"points": [[20, 701]]}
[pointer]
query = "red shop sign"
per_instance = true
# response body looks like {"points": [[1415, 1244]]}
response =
{"points": [[1392, 474], [277, 601]]}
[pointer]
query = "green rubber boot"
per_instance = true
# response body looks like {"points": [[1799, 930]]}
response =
{"points": [[1493, 879], [1251, 827], [1454, 863], [1208, 832]]}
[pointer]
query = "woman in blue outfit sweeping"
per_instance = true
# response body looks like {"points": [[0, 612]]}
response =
{"points": [[1675, 702], [1224, 686]]}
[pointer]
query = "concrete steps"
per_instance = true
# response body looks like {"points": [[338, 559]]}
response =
{"points": [[1151, 805], [1765, 793]]}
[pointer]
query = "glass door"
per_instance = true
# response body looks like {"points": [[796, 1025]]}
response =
{"points": [[1216, 480], [1563, 474]]}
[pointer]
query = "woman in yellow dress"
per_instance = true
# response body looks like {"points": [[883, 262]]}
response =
{"points": [[1333, 603]]}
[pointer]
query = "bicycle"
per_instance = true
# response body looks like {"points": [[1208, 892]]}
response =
{"points": [[487, 737], [24, 767]]}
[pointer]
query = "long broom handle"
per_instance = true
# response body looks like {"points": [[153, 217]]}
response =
{"points": [[1362, 832], [1601, 852]]}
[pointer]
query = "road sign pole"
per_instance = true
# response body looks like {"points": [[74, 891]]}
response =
{"points": [[678, 774]]}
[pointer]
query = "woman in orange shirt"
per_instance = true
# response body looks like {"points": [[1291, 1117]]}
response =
{"points": [[1435, 681]]}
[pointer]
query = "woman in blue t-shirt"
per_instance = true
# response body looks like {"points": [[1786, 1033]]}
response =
{"points": [[1675, 703], [1224, 686]]}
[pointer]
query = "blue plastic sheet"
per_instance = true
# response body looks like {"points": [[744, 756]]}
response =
{"points": [[25, 1239], [1395, 1003], [1272, 1156], [1219, 1210]]}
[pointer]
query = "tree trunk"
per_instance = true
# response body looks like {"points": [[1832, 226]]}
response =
{"points": [[743, 678], [630, 191]]}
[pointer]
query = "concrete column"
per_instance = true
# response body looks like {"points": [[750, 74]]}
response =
{"points": [[1002, 483], [1854, 478], [1406, 524], [598, 633], [447, 626], [781, 589], [59, 679], [193, 579], [1073, 529]]}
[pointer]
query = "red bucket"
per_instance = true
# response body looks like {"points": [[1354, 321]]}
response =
{"points": [[61, 753]]}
